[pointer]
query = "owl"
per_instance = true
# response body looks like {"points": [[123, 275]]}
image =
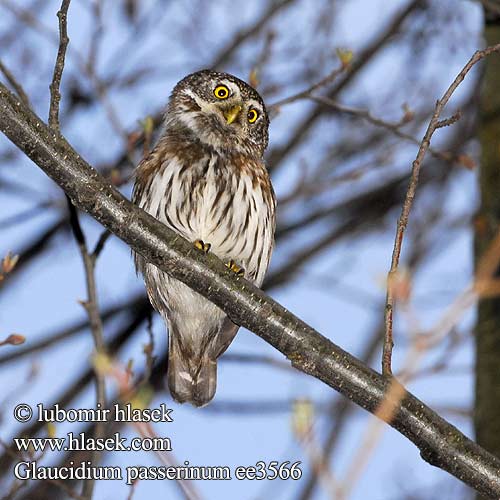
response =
{"points": [[206, 180]]}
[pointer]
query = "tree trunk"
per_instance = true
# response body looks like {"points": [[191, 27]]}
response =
{"points": [[487, 404]]}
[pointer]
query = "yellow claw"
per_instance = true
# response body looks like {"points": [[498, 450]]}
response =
{"points": [[235, 268], [200, 245]]}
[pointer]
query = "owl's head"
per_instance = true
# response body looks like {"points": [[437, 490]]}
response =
{"points": [[221, 111]]}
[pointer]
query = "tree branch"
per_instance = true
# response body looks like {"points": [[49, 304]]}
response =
{"points": [[14, 83], [45, 341], [280, 153], [434, 124], [55, 94], [440, 443], [91, 306], [395, 128]]}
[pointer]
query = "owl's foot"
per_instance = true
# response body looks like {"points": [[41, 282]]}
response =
{"points": [[200, 245], [235, 268]]}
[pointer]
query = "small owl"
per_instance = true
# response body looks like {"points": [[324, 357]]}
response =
{"points": [[206, 180]]}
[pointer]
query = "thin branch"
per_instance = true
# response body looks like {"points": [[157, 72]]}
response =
{"points": [[420, 344], [32, 250], [395, 128], [256, 359], [137, 302], [127, 390], [307, 93], [92, 308], [71, 494], [67, 396], [434, 124], [247, 33], [340, 413], [319, 463], [440, 443], [342, 409], [491, 6], [89, 260], [25, 215], [99, 247], [55, 94], [91, 304], [96, 37], [278, 155], [14, 84]]}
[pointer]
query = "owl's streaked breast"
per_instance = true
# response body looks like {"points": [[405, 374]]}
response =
{"points": [[220, 201]]}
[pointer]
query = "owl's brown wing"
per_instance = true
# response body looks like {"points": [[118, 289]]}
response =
{"points": [[144, 176], [224, 338]]}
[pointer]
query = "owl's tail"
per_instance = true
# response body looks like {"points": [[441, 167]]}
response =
{"points": [[191, 379]]}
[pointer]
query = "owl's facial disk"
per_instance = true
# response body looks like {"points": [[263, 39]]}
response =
{"points": [[222, 123], [221, 111]]}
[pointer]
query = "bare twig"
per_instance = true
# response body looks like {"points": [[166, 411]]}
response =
{"points": [[434, 124], [99, 247], [97, 35], [67, 396], [256, 359], [420, 344], [395, 128], [341, 409], [307, 93], [25, 215], [277, 156], [66, 489], [14, 84], [340, 412], [131, 492], [255, 74], [273, 8], [46, 341], [148, 349], [91, 304], [320, 465], [55, 94], [491, 6], [303, 426], [92, 308], [127, 391]]}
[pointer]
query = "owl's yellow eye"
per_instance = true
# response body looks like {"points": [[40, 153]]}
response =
{"points": [[221, 92], [252, 115]]}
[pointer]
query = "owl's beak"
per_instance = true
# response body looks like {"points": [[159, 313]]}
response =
{"points": [[232, 113]]}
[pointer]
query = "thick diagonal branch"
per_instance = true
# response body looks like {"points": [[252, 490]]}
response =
{"points": [[439, 442]]}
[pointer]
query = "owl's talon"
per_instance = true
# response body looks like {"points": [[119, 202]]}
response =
{"points": [[235, 268], [204, 247]]}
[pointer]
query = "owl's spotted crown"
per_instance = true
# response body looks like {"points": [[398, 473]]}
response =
{"points": [[221, 111]]}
